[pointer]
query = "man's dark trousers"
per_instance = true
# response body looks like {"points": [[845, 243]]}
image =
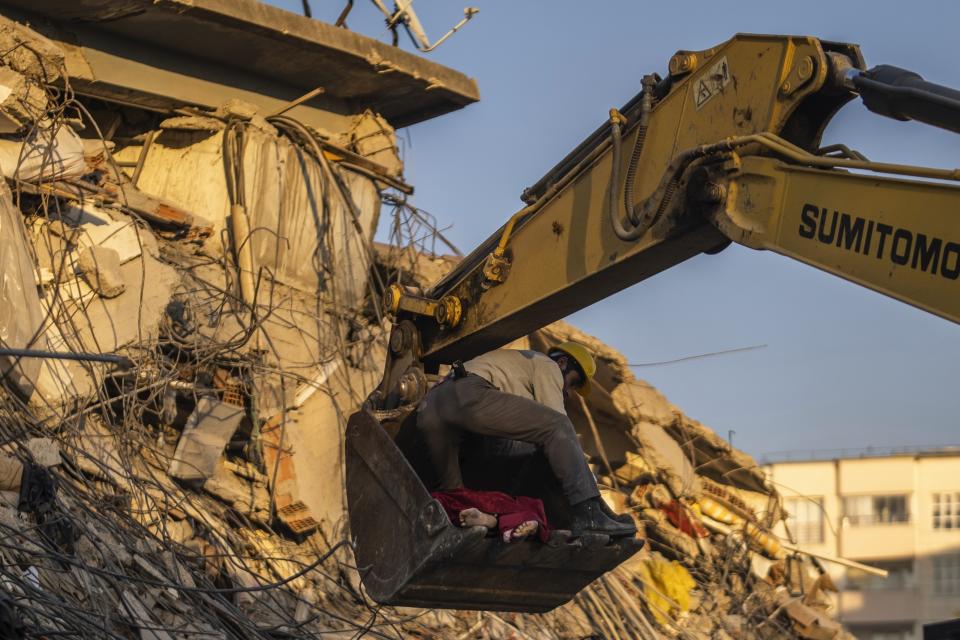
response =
{"points": [[473, 404]]}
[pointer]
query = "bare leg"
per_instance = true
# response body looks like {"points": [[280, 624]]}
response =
{"points": [[475, 518]]}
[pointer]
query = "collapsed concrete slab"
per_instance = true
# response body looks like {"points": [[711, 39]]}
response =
{"points": [[176, 53], [293, 210]]}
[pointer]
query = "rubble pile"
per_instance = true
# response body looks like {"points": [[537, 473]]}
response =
{"points": [[189, 311]]}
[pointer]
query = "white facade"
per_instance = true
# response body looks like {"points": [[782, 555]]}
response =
{"points": [[897, 512]]}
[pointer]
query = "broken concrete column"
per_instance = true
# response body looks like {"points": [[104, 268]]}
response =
{"points": [[101, 269], [21, 102], [206, 434], [29, 52]]}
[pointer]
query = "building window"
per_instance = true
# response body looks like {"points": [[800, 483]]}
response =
{"points": [[946, 575], [946, 511], [861, 510], [805, 519], [899, 576]]}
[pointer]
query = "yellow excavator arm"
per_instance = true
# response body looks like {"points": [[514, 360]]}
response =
{"points": [[728, 150], [725, 148]]}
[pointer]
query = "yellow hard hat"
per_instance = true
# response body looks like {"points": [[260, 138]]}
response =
{"points": [[584, 358]]}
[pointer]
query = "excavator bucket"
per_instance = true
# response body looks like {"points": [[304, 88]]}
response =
{"points": [[410, 554]]}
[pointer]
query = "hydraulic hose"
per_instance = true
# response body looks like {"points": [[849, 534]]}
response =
{"points": [[641, 216], [622, 232], [633, 229], [646, 103]]}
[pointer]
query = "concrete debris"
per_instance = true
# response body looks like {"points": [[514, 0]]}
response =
{"points": [[715, 459], [372, 137], [120, 237], [808, 621], [249, 498], [49, 152], [668, 458], [44, 452], [204, 438], [11, 471], [161, 212], [28, 52], [100, 267], [21, 101], [194, 123], [140, 617], [228, 255]]}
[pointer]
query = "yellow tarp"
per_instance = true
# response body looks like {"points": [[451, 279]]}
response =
{"points": [[666, 586]]}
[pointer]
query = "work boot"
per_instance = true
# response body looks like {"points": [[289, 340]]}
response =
{"points": [[588, 517], [623, 518]]}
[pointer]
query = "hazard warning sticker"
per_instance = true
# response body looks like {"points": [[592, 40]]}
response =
{"points": [[711, 83]]}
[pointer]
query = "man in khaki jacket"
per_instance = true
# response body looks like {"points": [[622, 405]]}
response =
{"points": [[518, 395]]}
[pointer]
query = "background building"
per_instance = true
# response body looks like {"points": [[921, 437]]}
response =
{"points": [[896, 511]]}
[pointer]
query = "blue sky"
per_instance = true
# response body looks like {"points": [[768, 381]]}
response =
{"points": [[843, 366]]}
